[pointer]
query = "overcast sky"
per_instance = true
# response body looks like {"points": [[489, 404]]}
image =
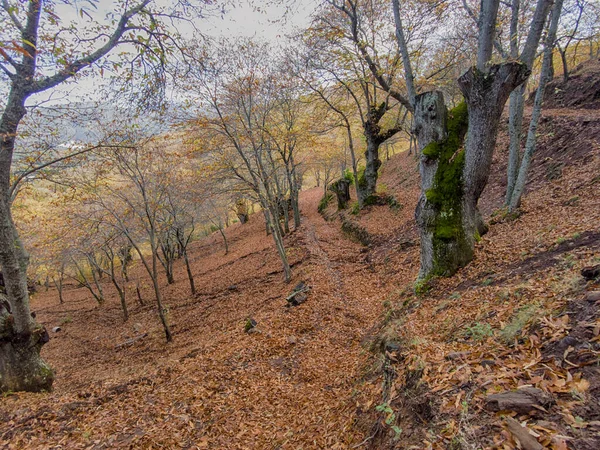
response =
{"points": [[259, 19]]}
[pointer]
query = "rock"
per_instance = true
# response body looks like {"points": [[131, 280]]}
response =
{"points": [[56, 329], [292, 340], [592, 296], [299, 295], [521, 401], [250, 325], [591, 272]]}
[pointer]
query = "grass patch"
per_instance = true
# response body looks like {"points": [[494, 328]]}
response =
{"points": [[519, 321]]}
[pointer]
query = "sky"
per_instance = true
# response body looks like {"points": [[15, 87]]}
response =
{"points": [[268, 20]]}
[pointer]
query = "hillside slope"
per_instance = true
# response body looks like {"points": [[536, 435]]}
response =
{"points": [[364, 351]]}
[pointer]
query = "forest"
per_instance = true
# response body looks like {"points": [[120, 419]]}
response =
{"points": [[316, 224]]}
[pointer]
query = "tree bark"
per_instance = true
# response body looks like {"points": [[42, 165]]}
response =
{"points": [[444, 246], [515, 125], [189, 272], [517, 99], [530, 144], [486, 95], [452, 179], [367, 184]]}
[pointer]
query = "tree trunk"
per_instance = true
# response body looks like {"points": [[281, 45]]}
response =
{"points": [[530, 144], [440, 133], [121, 292], [157, 293], [59, 288], [21, 338], [139, 294], [565, 64], [21, 367], [278, 238], [517, 99], [453, 179], [515, 125], [341, 188], [367, 184], [224, 239], [189, 271]]}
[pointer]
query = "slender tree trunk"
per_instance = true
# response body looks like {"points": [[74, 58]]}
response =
{"points": [[517, 97], [515, 125], [278, 238], [530, 144], [100, 296], [565, 64], [224, 239], [157, 293], [189, 271], [121, 292], [59, 287], [139, 294], [267, 221]]}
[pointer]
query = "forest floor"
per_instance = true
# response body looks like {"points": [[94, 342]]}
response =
{"points": [[365, 362]]}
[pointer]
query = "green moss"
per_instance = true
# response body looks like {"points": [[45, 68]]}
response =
{"points": [[446, 192], [324, 202], [371, 200], [432, 150]]}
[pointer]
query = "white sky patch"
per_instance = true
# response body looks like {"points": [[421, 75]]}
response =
{"points": [[261, 20]]}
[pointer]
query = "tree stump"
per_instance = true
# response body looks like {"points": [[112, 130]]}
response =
{"points": [[341, 189]]}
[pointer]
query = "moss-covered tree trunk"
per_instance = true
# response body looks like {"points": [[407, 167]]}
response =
{"points": [[341, 189], [440, 133], [367, 183]]}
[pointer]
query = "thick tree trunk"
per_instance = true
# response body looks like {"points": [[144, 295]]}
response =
{"points": [[341, 188], [444, 246], [21, 339], [21, 367], [367, 184], [485, 94], [452, 179]]}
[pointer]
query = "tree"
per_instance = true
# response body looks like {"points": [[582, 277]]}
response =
{"points": [[33, 61], [344, 34], [238, 129], [453, 178], [527, 56], [545, 75]]}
